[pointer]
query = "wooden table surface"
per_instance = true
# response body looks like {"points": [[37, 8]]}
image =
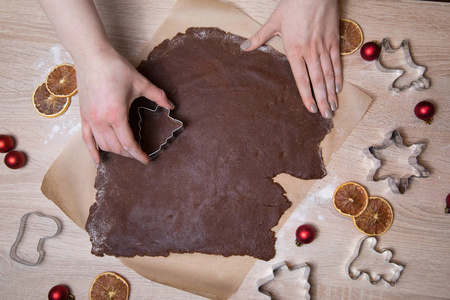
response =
{"points": [[418, 236]]}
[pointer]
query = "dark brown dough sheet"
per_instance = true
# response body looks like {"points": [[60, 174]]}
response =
{"points": [[211, 190]]}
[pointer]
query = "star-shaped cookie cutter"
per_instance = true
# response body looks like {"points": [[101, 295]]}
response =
{"points": [[280, 265], [40, 247], [355, 274], [421, 83], [397, 185], [169, 139]]}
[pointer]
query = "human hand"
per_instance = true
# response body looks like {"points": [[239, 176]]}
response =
{"points": [[310, 33], [107, 85]]}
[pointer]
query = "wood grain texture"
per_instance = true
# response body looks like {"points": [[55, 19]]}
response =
{"points": [[29, 48]]}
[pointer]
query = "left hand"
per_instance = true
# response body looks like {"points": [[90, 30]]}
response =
{"points": [[310, 33]]}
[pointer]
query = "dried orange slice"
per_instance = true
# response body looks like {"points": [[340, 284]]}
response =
{"points": [[48, 105], [350, 199], [376, 219], [61, 81], [351, 36], [109, 286]]}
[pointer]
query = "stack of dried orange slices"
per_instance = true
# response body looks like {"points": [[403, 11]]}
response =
{"points": [[371, 215], [52, 98]]}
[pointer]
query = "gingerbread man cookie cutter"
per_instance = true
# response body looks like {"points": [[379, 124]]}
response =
{"points": [[400, 184], [395, 270], [169, 139], [40, 247], [294, 268], [421, 83]]}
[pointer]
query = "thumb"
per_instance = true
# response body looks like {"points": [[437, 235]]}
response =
{"points": [[266, 32], [157, 95]]}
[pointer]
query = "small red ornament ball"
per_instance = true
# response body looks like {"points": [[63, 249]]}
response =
{"points": [[304, 234], [6, 143], [424, 110], [15, 160], [447, 203], [370, 51], [59, 292]]}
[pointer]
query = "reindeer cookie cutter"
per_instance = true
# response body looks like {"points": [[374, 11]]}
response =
{"points": [[421, 83], [40, 247], [355, 272]]}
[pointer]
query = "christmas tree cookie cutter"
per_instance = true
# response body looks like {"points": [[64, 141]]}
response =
{"points": [[397, 183], [40, 247], [158, 110], [420, 82], [381, 268], [281, 269]]}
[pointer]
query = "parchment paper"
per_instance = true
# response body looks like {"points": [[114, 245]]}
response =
{"points": [[69, 182]]}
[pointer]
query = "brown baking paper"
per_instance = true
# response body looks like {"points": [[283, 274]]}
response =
{"points": [[69, 182]]}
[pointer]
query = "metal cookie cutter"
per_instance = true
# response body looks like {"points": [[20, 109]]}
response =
{"points": [[40, 247], [388, 272], [420, 83], [282, 266], [169, 139], [397, 184]]}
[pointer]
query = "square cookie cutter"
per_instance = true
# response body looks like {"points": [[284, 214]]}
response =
{"points": [[421, 83], [355, 273], [283, 266], [165, 144], [396, 184]]}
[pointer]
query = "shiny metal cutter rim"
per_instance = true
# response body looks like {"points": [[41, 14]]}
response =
{"points": [[395, 138], [279, 265], [388, 256], [169, 139], [40, 247], [421, 83]]}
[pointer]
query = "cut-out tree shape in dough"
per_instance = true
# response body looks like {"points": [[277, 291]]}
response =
{"points": [[286, 282], [376, 265]]}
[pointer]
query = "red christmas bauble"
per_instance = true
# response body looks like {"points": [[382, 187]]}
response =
{"points": [[447, 203], [370, 51], [424, 110], [304, 234], [6, 143], [15, 159], [59, 292]]}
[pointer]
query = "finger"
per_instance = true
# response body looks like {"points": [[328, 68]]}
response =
{"points": [[337, 67], [266, 32], [328, 73], [301, 77], [89, 140], [318, 84], [152, 92], [129, 144], [113, 142]]}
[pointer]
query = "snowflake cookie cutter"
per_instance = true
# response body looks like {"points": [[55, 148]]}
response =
{"points": [[396, 184], [282, 266], [384, 255], [40, 247], [169, 139], [421, 83]]}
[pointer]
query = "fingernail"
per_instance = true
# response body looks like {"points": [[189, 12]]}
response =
{"points": [[338, 88], [314, 108], [171, 104], [333, 106], [245, 45], [328, 113]]}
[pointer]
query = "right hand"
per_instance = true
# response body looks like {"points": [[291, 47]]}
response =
{"points": [[107, 85]]}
